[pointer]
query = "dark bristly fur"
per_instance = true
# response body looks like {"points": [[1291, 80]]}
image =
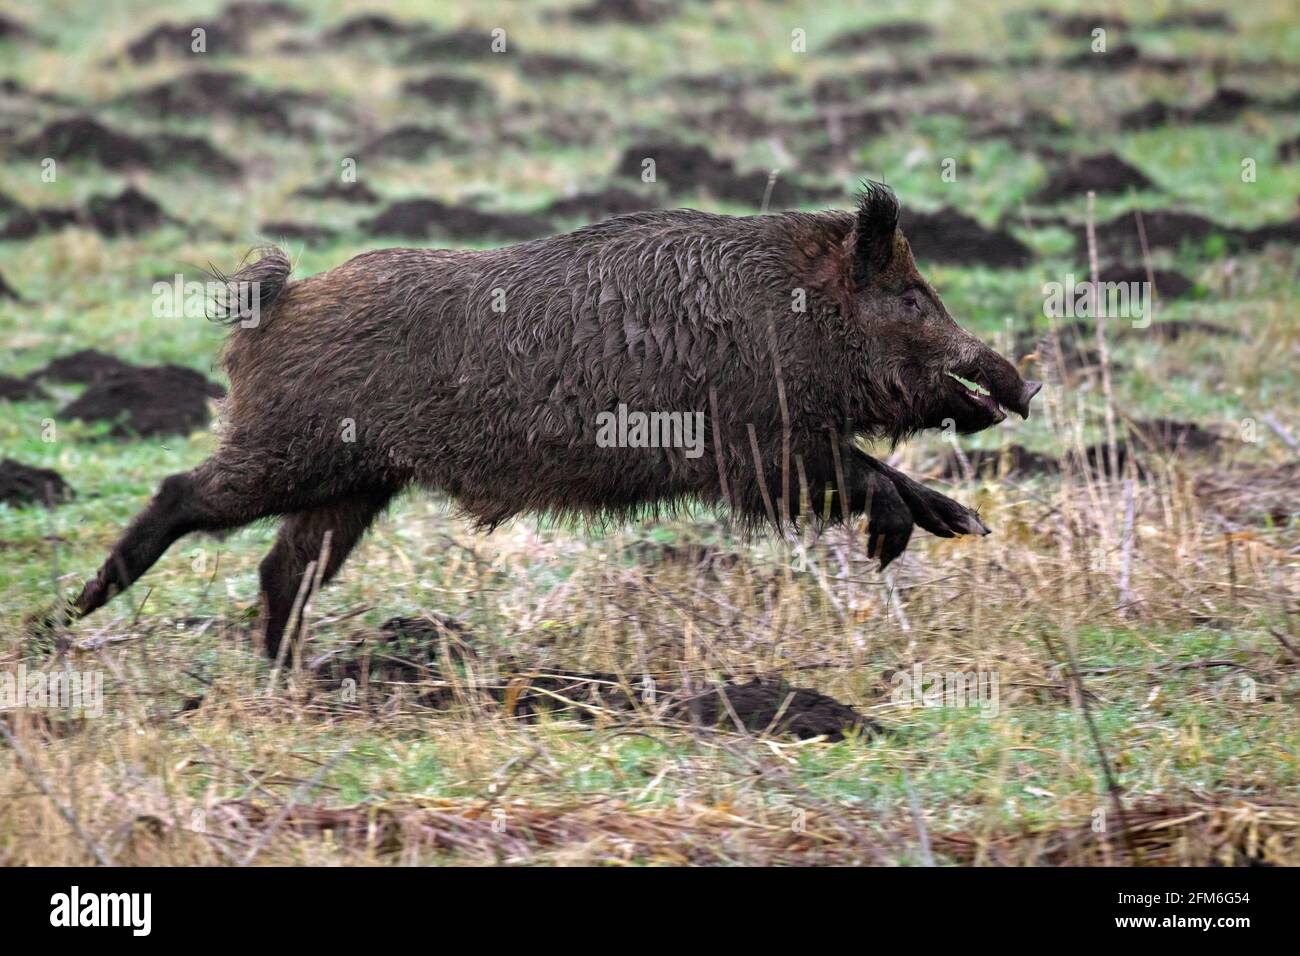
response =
{"points": [[481, 374]]}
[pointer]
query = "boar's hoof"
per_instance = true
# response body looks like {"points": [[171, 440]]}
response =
{"points": [[889, 523]]}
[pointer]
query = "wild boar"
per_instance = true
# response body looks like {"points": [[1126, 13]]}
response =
{"points": [[485, 374]]}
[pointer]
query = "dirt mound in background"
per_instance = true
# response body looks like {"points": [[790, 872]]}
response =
{"points": [[176, 40], [159, 400], [643, 12], [1012, 461], [13, 31], [594, 206], [127, 214], [84, 138], [774, 707], [442, 89], [881, 35], [220, 93], [415, 650], [20, 389], [227, 34], [949, 237], [467, 43], [1172, 436], [556, 66], [367, 27], [1169, 283], [1170, 229], [1224, 106], [83, 368], [354, 192], [409, 142], [195, 151], [425, 218], [1288, 151], [1103, 173], [301, 231], [685, 169], [23, 485]]}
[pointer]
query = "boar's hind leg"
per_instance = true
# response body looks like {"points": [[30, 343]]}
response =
{"points": [[174, 511], [299, 544]]}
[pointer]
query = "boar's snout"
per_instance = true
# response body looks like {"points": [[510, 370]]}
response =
{"points": [[1026, 396]]}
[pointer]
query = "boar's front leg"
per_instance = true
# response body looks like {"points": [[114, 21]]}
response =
{"points": [[893, 503]]}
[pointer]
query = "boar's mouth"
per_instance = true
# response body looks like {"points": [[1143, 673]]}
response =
{"points": [[977, 403], [981, 398]]}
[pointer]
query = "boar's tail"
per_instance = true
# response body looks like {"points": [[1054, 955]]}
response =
{"points": [[244, 296]]}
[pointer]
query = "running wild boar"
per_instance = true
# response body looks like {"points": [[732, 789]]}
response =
{"points": [[487, 375]]}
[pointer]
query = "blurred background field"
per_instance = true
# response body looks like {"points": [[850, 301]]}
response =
{"points": [[517, 698]]}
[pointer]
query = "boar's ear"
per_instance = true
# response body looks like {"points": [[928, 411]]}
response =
{"points": [[873, 245]]}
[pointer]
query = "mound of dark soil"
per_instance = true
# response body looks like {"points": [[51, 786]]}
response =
{"points": [[1169, 283], [424, 218], [336, 189], [227, 34], [898, 33], [366, 27], [1224, 106], [1012, 461], [732, 121], [244, 16], [686, 169], [19, 389], [159, 400], [467, 43], [410, 650], [1173, 331], [947, 236], [1127, 56], [1103, 173], [194, 151], [129, 213], [304, 232], [1170, 229], [221, 93], [1288, 151], [556, 66], [84, 138], [7, 291], [594, 206], [1211, 20], [82, 368], [443, 89], [409, 142], [22, 485], [12, 31], [31, 222], [643, 12], [774, 707], [176, 40], [849, 89], [1171, 436], [1077, 25]]}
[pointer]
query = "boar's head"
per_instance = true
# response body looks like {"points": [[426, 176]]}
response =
{"points": [[922, 370]]}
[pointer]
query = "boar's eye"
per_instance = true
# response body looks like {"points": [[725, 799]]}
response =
{"points": [[912, 301]]}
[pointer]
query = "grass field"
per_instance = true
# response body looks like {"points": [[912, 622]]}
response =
{"points": [[1172, 585]]}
